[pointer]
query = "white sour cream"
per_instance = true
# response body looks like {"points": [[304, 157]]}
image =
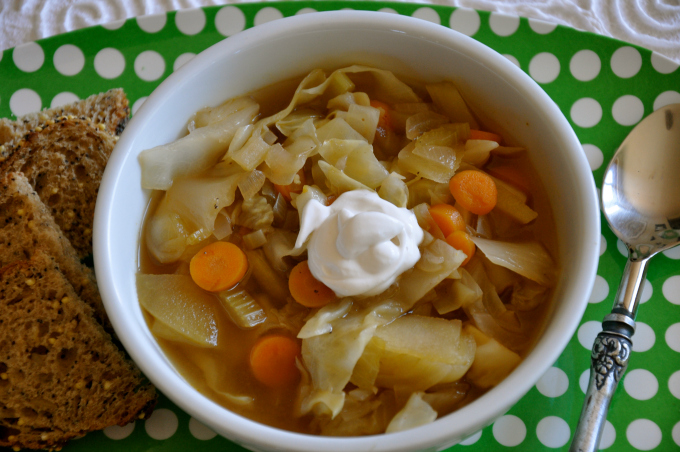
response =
{"points": [[360, 244]]}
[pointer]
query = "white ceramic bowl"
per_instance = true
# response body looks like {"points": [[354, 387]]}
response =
{"points": [[500, 92]]}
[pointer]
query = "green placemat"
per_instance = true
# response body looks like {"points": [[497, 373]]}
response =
{"points": [[603, 87]]}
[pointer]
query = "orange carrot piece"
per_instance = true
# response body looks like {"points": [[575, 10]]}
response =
{"points": [[482, 135], [286, 190], [460, 240], [512, 176], [447, 218], [218, 266], [306, 289], [474, 191], [272, 360], [384, 120]]}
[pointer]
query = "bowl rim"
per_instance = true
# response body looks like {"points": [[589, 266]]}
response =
{"points": [[252, 433]]}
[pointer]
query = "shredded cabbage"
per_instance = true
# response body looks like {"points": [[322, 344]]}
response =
{"points": [[529, 259]]}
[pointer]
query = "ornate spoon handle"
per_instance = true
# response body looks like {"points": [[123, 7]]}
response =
{"points": [[609, 360]]}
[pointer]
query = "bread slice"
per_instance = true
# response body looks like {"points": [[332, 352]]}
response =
{"points": [[26, 225], [60, 374], [109, 108], [64, 162]]}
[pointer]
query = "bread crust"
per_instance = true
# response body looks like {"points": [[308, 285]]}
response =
{"points": [[64, 161], [27, 224], [60, 374]]}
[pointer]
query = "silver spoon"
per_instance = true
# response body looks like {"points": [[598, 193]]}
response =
{"points": [[641, 202]]}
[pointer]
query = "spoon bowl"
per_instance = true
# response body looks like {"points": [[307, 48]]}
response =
{"points": [[641, 202]]}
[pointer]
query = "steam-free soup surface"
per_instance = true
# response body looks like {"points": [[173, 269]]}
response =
{"points": [[321, 358]]}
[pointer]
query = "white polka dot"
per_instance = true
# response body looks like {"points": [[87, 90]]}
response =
{"points": [[553, 383], [267, 15], [310, 10], [588, 332], [69, 60], [24, 101], [544, 67], [182, 60], [643, 434], [427, 14], [63, 99], [628, 110], [647, 292], [152, 23], [676, 433], [608, 435], [583, 380], [109, 63], [470, 440], [673, 253], [673, 337], [115, 25], [600, 290], [138, 103], [663, 64], [117, 432], [644, 337], [586, 112], [200, 430], [666, 98], [162, 424], [190, 21], [671, 289], [553, 431], [585, 65], [623, 249], [28, 57], [594, 155], [387, 10], [149, 65], [640, 384], [541, 27], [230, 20], [674, 384], [502, 24], [509, 430], [512, 59], [626, 62], [603, 244], [465, 21]]}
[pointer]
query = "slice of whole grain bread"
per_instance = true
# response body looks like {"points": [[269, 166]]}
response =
{"points": [[109, 108], [26, 225], [64, 161], [60, 374]]}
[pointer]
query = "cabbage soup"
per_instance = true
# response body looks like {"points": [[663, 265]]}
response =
{"points": [[345, 254]]}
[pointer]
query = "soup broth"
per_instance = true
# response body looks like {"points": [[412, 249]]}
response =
{"points": [[512, 317]]}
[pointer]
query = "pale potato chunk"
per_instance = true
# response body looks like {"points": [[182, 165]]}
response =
{"points": [[493, 362], [180, 305]]}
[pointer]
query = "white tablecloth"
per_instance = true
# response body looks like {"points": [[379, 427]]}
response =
{"points": [[654, 24]]}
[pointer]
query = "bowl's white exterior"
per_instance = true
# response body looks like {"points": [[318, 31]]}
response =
{"points": [[504, 96]]}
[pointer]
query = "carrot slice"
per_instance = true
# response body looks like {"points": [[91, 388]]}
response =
{"points": [[512, 176], [461, 240], [385, 119], [447, 218], [272, 360], [218, 266], [306, 289], [474, 190], [294, 187], [482, 135]]}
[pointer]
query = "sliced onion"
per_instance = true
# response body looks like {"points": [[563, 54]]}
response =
{"points": [[251, 184], [222, 225]]}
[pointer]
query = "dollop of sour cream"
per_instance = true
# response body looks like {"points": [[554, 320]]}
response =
{"points": [[360, 244]]}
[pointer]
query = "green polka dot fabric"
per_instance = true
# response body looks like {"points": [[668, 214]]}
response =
{"points": [[604, 87]]}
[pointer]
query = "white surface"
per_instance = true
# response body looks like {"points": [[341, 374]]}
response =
{"points": [[654, 24], [279, 50]]}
